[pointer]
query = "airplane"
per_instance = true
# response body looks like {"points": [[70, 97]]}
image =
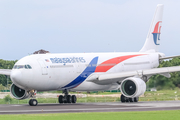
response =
{"points": [[66, 72]]}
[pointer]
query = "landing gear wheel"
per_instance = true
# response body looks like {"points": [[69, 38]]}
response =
{"points": [[60, 99], [127, 99], [69, 99], [64, 99], [136, 99], [30, 101], [123, 98], [74, 99], [131, 100], [33, 102]]}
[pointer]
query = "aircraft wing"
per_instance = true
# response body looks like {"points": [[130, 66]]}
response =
{"points": [[5, 71], [108, 78]]}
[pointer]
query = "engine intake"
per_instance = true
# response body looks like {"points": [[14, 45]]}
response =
{"points": [[18, 93], [133, 87]]}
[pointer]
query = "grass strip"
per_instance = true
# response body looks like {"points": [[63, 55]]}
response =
{"points": [[145, 115]]}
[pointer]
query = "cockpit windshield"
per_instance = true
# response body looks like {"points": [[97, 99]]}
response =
{"points": [[22, 66]]}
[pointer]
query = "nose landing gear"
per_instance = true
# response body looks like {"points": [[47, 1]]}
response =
{"points": [[67, 98], [33, 102]]}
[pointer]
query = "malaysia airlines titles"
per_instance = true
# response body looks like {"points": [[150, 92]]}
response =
{"points": [[68, 60]]}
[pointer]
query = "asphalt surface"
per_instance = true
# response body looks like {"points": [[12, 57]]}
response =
{"points": [[89, 107]]}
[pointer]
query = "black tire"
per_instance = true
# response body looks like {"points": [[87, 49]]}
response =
{"points": [[136, 99], [131, 99], [123, 98], [33, 102], [60, 99], [74, 99], [30, 102], [127, 99], [69, 99], [64, 99]]}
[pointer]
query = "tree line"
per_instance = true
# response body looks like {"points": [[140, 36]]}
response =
{"points": [[161, 82], [157, 81], [6, 64]]}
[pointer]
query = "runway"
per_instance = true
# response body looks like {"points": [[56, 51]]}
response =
{"points": [[89, 107]]}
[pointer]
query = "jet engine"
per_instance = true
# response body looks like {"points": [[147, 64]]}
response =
{"points": [[133, 87], [18, 93]]}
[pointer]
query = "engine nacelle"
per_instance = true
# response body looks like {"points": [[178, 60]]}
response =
{"points": [[133, 87], [18, 93]]}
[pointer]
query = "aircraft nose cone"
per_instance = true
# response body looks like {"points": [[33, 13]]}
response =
{"points": [[16, 77]]}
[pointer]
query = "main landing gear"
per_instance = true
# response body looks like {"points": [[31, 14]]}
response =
{"points": [[67, 98], [125, 99]]}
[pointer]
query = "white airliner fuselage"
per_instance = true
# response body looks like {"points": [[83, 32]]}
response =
{"points": [[61, 71]]}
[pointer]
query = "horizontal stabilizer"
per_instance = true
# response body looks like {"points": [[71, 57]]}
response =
{"points": [[169, 57]]}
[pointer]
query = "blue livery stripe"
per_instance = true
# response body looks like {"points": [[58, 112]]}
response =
{"points": [[89, 70]]}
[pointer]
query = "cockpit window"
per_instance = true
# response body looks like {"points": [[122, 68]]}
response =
{"points": [[29, 67], [15, 67], [22, 66], [26, 67]]}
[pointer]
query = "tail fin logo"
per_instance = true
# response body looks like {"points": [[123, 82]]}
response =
{"points": [[156, 33]]}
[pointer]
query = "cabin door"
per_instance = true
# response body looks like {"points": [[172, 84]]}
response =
{"points": [[43, 67]]}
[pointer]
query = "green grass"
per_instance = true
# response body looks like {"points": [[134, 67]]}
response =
{"points": [[147, 115], [95, 92], [102, 93], [161, 95]]}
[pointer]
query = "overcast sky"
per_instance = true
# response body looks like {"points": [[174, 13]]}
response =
{"points": [[70, 26]]}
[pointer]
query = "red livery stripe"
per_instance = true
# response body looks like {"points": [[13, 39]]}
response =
{"points": [[157, 27], [105, 66]]}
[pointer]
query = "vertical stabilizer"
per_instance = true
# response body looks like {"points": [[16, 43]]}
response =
{"points": [[153, 38]]}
